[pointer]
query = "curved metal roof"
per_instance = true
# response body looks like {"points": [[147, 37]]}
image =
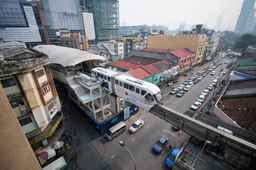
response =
{"points": [[66, 56]]}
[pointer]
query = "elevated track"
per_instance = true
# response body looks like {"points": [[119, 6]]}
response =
{"points": [[206, 131]]}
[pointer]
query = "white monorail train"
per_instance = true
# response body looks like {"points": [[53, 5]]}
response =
{"points": [[138, 92]]}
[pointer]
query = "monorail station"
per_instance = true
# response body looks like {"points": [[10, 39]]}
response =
{"points": [[98, 103]]}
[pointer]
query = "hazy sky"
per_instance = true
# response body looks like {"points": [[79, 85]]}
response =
{"points": [[173, 12]]}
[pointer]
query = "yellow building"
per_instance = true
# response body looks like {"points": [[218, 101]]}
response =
{"points": [[28, 84], [195, 42]]}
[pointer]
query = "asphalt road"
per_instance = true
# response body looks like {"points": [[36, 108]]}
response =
{"points": [[182, 104], [140, 145], [92, 154]]}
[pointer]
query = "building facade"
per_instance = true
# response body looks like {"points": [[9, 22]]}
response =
{"points": [[13, 140], [106, 18], [246, 20], [195, 42], [29, 87], [186, 59], [18, 22]]}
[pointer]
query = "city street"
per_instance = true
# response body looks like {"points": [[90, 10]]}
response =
{"points": [[182, 104], [93, 154]]}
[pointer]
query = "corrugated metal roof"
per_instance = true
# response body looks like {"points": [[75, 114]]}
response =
{"points": [[151, 69], [181, 53], [139, 73], [66, 56], [125, 65]]}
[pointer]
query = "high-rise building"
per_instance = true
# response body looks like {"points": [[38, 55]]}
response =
{"points": [[18, 22], [246, 19], [106, 18]]}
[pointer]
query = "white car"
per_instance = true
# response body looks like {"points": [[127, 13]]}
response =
{"points": [[215, 81], [195, 106], [210, 87], [136, 126], [203, 93], [206, 91], [201, 97], [200, 100]]}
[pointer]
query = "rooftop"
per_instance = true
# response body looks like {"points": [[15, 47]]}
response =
{"points": [[16, 58], [133, 62], [67, 56], [182, 53]]}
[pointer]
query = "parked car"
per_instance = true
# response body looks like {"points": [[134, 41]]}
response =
{"points": [[210, 87], [215, 81], [158, 147], [195, 106], [171, 157], [212, 73], [202, 97], [186, 89], [200, 78], [203, 93], [172, 92], [136, 126], [180, 93], [206, 90], [200, 100]]}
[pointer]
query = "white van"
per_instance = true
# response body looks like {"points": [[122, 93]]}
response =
{"points": [[115, 131]]}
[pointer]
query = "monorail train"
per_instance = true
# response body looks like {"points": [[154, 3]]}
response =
{"points": [[138, 92]]}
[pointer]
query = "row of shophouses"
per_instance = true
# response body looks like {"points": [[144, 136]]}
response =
{"points": [[165, 57]]}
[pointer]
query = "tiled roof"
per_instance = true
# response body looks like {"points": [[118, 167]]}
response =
{"points": [[181, 53], [139, 73], [151, 69], [125, 65]]}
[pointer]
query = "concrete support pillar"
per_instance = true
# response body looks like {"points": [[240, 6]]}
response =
{"points": [[115, 104]]}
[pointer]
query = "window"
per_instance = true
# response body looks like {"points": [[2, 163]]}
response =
{"points": [[15, 101], [143, 92], [120, 84], [116, 81], [149, 98], [45, 89], [8, 82], [25, 121], [126, 86], [132, 88], [137, 90], [108, 78], [39, 73]]}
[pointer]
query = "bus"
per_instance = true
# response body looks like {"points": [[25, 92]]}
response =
{"points": [[115, 131]]}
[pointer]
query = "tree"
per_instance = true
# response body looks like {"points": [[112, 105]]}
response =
{"points": [[244, 41]]}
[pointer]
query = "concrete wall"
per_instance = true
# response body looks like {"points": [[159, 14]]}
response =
{"points": [[31, 91], [16, 153]]}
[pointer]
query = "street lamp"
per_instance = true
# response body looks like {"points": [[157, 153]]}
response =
{"points": [[122, 144]]}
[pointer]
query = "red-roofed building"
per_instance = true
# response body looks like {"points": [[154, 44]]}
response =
{"points": [[139, 73], [125, 65], [186, 58], [132, 63]]}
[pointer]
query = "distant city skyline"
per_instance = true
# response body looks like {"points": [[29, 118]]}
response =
{"points": [[173, 13]]}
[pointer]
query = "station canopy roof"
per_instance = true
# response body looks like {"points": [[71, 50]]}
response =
{"points": [[66, 56]]}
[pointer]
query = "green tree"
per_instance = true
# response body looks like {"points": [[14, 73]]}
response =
{"points": [[244, 41]]}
